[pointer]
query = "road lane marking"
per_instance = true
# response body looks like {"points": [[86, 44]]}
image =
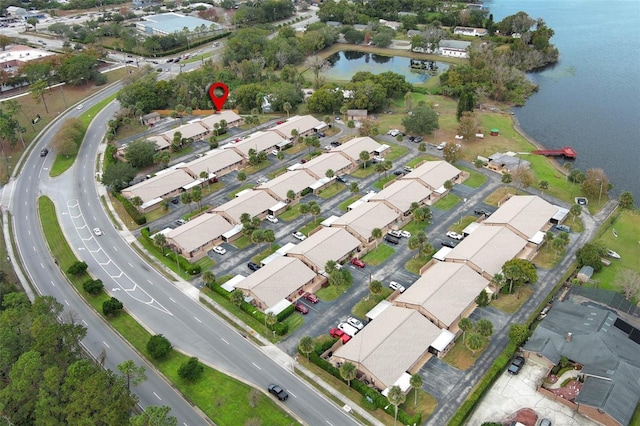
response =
{"points": [[157, 396], [172, 300], [85, 323], [105, 343], [292, 394], [328, 422], [65, 301], [254, 364], [224, 341], [53, 284]]}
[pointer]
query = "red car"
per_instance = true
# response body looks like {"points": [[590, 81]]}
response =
{"points": [[280, 122], [311, 297], [302, 308], [357, 262], [336, 332]]}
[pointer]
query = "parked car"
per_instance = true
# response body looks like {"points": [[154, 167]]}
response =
{"points": [[253, 266], [299, 235], [275, 152], [417, 139], [481, 212], [355, 322], [357, 262], [335, 143], [399, 172], [448, 243], [311, 297], [44, 152], [454, 235], [442, 145], [321, 134], [97, 231], [581, 201], [180, 222], [407, 169], [405, 234], [300, 307], [278, 391], [391, 239], [219, 250], [348, 329], [516, 365], [175, 200], [393, 285], [341, 179], [395, 233], [563, 228], [545, 422], [337, 333], [271, 218]]}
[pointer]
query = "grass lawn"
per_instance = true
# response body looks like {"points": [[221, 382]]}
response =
{"points": [[331, 190], [254, 169], [269, 250], [277, 173], [547, 258], [510, 303], [242, 242], [346, 203], [627, 225], [415, 263], [423, 158], [378, 255], [460, 356], [311, 225], [494, 198], [415, 226], [231, 195], [462, 223], [395, 151], [447, 202], [290, 213], [362, 173], [370, 301], [332, 292], [380, 183], [476, 179]]}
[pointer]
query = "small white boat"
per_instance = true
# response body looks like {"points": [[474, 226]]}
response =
{"points": [[613, 254], [615, 233]]}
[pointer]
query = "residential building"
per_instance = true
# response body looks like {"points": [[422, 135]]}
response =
{"points": [[259, 142], [401, 194], [304, 125], [469, 31], [155, 191], [352, 149], [319, 165], [296, 181], [357, 114], [150, 119], [195, 131], [454, 48], [232, 119], [508, 162], [362, 220], [324, 245], [255, 203], [528, 216], [199, 235], [434, 174], [214, 163], [164, 24]]}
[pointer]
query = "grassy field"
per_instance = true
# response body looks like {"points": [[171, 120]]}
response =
{"points": [[313, 224], [447, 202], [416, 262], [361, 308], [346, 203], [378, 255], [384, 180], [331, 190], [476, 179], [332, 292], [269, 250], [510, 303]]}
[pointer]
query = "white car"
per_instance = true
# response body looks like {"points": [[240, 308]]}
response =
{"points": [[348, 329], [396, 234], [393, 132], [219, 250], [299, 235], [271, 218], [275, 152], [80, 106], [454, 235], [396, 286], [355, 322], [97, 231], [442, 145], [405, 234]]}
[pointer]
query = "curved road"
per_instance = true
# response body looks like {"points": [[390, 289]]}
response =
{"points": [[164, 307]]}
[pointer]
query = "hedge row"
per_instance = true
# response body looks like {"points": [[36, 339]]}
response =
{"points": [[183, 263], [279, 327], [379, 401], [178, 49], [137, 217]]}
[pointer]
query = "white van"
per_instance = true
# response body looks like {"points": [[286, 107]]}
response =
{"points": [[348, 329]]}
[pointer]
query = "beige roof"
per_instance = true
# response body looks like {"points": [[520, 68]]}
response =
{"points": [[402, 193], [227, 115], [391, 343], [199, 231], [259, 141], [277, 279], [213, 161], [295, 180], [252, 202], [161, 184], [331, 160], [302, 123], [527, 214], [489, 247], [355, 146], [434, 173], [191, 130], [160, 141], [325, 245], [445, 290], [366, 217]]}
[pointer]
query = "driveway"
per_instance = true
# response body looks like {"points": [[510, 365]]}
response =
{"points": [[512, 393]]}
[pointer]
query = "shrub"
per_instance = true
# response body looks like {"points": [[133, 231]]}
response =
{"points": [[135, 215], [77, 268], [191, 370], [159, 347], [111, 306], [93, 286], [281, 328]]}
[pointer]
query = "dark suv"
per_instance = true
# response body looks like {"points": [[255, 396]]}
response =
{"points": [[253, 266], [516, 365], [278, 391]]}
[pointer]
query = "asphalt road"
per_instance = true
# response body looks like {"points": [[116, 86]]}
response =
{"points": [[164, 307]]}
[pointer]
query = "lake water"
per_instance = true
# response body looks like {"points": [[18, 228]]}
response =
{"points": [[346, 63], [591, 98]]}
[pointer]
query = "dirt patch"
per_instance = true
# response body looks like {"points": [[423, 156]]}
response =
{"points": [[526, 416], [568, 392]]}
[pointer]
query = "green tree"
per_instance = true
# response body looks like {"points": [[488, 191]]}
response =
{"points": [[465, 324], [590, 255], [140, 153], [241, 176], [506, 178], [348, 372], [134, 374], [160, 240], [191, 370], [626, 200], [270, 319], [452, 153], [396, 397], [474, 342], [422, 147], [111, 307], [543, 185], [159, 347], [209, 278], [364, 158], [93, 286], [38, 89], [519, 272], [595, 184], [518, 333], [354, 188], [423, 120], [154, 416], [118, 175], [575, 211], [376, 233], [375, 287], [306, 346], [483, 298], [291, 195], [416, 383], [484, 327], [237, 297]]}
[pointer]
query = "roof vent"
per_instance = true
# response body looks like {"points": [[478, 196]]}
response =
{"points": [[568, 337]]}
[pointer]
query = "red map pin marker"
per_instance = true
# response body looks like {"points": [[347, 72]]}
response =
{"points": [[218, 101]]}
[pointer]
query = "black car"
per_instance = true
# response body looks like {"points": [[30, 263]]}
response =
{"points": [[278, 391], [253, 266], [481, 212], [451, 244], [516, 365], [391, 239], [44, 152], [341, 179], [335, 143], [399, 172], [175, 200], [321, 134]]}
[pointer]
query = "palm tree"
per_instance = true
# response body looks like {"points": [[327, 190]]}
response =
{"points": [[396, 397], [294, 134], [208, 278], [161, 241], [331, 267], [416, 383], [377, 234], [375, 287], [484, 327], [575, 211], [291, 195], [544, 185], [236, 297], [474, 342], [306, 346], [330, 174], [498, 281], [354, 188], [314, 209], [465, 324], [352, 125], [136, 201], [270, 319], [506, 179], [269, 237], [287, 107], [348, 372], [364, 157], [185, 198], [205, 177], [304, 209]]}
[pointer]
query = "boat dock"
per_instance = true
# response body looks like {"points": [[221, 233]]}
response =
{"points": [[566, 151]]}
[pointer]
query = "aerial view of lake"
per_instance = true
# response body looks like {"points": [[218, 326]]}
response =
{"points": [[591, 98], [345, 64]]}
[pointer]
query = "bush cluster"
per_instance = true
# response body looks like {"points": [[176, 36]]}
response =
{"points": [[137, 217]]}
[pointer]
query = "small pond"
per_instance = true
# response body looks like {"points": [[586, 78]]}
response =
{"points": [[345, 64]]}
